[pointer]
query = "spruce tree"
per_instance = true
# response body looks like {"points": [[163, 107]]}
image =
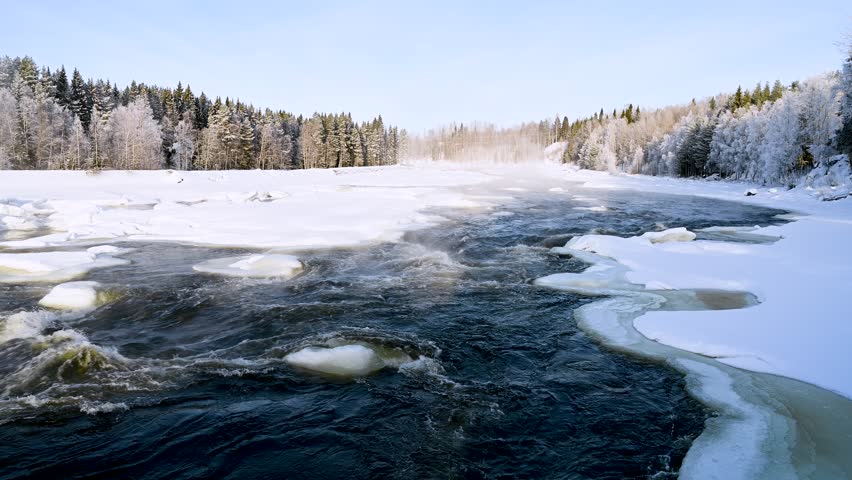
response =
{"points": [[61, 87], [80, 103], [777, 91], [738, 100]]}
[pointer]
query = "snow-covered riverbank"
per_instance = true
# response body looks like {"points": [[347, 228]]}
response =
{"points": [[801, 327], [798, 330]]}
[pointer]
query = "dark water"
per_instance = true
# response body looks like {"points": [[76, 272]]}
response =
{"points": [[507, 386]]}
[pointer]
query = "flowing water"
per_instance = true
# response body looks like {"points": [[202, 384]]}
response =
{"points": [[183, 374]]}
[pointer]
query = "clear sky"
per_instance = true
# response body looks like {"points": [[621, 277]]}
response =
{"points": [[423, 63]]}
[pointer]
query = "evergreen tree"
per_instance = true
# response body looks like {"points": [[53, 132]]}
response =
{"points": [[61, 87], [80, 103], [777, 91], [738, 101]]}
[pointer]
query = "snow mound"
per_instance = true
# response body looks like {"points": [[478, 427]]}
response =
{"points": [[680, 234], [253, 266], [51, 266], [345, 361], [75, 296]]}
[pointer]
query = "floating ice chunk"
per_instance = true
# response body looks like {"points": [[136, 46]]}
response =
{"points": [[253, 266], [679, 234], [556, 189], [599, 208], [346, 360], [51, 266], [75, 296]]}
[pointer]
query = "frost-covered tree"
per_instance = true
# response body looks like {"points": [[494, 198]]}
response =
{"points": [[844, 135], [275, 147], [183, 146], [8, 126], [780, 150], [136, 139], [820, 100], [77, 153]]}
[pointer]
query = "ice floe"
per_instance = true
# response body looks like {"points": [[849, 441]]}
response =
{"points": [[75, 296], [346, 360], [51, 266], [253, 266]]}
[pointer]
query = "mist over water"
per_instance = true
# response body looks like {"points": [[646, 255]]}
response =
{"points": [[486, 375]]}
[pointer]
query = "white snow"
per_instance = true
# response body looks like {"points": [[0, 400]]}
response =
{"points": [[73, 296], [346, 360], [253, 266], [799, 330], [290, 209], [679, 234]]}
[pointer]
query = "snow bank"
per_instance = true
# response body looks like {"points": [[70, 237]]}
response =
{"points": [[253, 266], [75, 296], [287, 209], [51, 266]]}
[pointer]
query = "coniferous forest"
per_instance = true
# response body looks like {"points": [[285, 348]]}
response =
{"points": [[51, 121]]}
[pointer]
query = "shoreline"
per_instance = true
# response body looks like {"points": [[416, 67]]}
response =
{"points": [[769, 425]]}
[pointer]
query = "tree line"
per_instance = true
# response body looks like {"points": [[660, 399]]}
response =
{"points": [[770, 134], [49, 122]]}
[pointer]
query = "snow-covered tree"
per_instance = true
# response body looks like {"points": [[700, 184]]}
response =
{"points": [[183, 146], [136, 139], [820, 100]]}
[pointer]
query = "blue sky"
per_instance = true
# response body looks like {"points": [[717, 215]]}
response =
{"points": [[423, 63]]}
